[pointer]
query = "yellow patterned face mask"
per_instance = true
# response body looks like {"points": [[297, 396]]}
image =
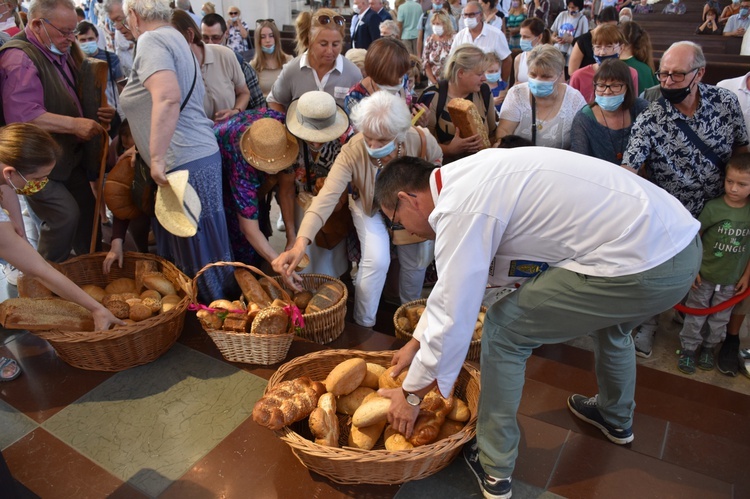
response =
{"points": [[30, 187]]}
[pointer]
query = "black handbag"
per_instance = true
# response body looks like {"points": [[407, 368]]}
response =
{"points": [[144, 188]]}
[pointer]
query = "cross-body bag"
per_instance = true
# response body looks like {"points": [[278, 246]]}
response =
{"points": [[144, 187], [698, 143]]}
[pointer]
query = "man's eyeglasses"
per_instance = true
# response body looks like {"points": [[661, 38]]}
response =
{"points": [[391, 223], [677, 76], [323, 20], [65, 33], [260, 21], [212, 38], [614, 87]]}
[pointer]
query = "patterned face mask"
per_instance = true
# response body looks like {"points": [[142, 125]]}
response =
{"points": [[30, 187]]}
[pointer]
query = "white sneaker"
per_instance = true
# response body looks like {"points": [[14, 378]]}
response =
{"points": [[280, 224], [644, 342], [11, 274]]}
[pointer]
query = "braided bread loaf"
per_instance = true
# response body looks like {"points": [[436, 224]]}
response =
{"points": [[288, 402]]}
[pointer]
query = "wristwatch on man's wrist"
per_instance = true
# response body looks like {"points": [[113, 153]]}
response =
{"points": [[412, 399]]}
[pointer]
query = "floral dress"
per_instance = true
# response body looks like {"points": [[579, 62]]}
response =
{"points": [[435, 53], [235, 40], [242, 182]]}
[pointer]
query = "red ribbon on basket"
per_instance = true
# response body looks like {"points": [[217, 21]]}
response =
{"points": [[294, 313], [197, 306]]}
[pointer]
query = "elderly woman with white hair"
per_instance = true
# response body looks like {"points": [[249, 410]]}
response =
{"points": [[163, 102], [385, 133]]}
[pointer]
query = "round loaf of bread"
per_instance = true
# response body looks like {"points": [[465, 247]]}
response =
{"points": [[133, 301], [302, 299], [152, 303], [95, 292], [169, 302], [121, 285], [157, 282], [150, 293], [140, 312], [388, 381], [119, 309], [270, 320]]}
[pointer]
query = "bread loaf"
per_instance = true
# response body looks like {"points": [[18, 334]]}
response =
{"points": [[465, 117], [251, 288], [31, 287], [169, 302], [426, 428], [140, 312], [327, 296], [143, 267], [271, 289], [302, 299], [221, 305], [303, 263], [150, 293], [395, 440], [209, 319], [365, 438], [387, 381], [121, 285], [287, 402], [460, 411], [371, 412], [348, 404], [324, 424], [374, 371], [449, 428], [237, 323], [43, 314], [118, 192], [346, 377], [157, 282], [94, 292], [152, 303], [119, 309], [270, 320], [414, 313]]}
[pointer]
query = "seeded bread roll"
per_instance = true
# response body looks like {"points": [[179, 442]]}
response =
{"points": [[327, 296], [119, 309], [465, 117], [270, 320], [153, 303], [251, 288]]}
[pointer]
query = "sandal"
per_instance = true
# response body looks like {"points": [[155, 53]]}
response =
{"points": [[9, 369]]}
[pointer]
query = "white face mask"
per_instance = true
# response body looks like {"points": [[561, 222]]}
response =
{"points": [[355, 8], [393, 89], [437, 29], [470, 23]]}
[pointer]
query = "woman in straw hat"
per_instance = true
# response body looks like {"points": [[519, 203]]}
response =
{"points": [[322, 128], [171, 132], [384, 122], [321, 66], [255, 150]]}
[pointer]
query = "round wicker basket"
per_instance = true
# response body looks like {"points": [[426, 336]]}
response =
{"points": [[475, 348], [327, 325], [249, 348], [378, 466], [122, 347]]}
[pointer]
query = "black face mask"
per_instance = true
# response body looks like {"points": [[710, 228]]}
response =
{"points": [[677, 95]]}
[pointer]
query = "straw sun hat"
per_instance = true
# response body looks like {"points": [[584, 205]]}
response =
{"points": [[268, 147], [177, 206], [315, 117]]}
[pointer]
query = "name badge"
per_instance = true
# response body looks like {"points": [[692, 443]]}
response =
{"points": [[526, 268], [340, 92]]}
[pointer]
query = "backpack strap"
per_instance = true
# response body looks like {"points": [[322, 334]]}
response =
{"points": [[442, 97]]}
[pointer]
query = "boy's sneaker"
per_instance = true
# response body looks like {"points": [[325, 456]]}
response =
{"points": [[686, 363], [492, 488], [586, 409], [706, 359], [644, 342], [727, 359]]}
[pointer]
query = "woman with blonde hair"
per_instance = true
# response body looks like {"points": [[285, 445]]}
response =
{"points": [[237, 31], [542, 110], [208, 8], [463, 78], [320, 66], [438, 46], [269, 56]]}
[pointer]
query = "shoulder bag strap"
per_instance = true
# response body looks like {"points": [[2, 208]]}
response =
{"points": [[704, 148], [190, 92], [533, 120]]}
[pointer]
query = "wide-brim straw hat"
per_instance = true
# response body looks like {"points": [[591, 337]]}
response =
{"points": [[178, 207], [315, 117], [268, 146]]}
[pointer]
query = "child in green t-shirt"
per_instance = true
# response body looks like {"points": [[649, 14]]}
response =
{"points": [[725, 231]]}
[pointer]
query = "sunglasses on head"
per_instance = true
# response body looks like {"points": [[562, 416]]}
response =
{"points": [[323, 20], [259, 21]]}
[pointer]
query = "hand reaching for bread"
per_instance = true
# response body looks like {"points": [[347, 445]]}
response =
{"points": [[286, 263]]}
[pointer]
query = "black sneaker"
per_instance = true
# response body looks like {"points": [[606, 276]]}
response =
{"points": [[686, 362], [492, 488], [706, 359], [586, 409], [726, 361]]}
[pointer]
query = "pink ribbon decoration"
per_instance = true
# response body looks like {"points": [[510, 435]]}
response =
{"points": [[295, 314], [198, 306]]}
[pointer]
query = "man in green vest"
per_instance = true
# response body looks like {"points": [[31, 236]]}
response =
{"points": [[39, 73]]}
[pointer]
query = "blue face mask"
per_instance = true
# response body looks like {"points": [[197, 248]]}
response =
{"points": [[381, 152], [268, 50], [437, 6], [540, 88], [492, 77], [609, 102], [89, 48], [743, 12], [526, 45], [52, 47], [600, 58]]}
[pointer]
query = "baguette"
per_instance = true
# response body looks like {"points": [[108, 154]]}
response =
{"points": [[466, 119], [251, 288], [287, 402], [43, 314], [346, 377], [371, 412], [327, 296]]}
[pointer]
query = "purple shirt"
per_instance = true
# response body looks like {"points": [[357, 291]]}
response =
{"points": [[22, 93]]}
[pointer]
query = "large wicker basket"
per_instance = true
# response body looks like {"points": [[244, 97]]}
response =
{"points": [[249, 348], [327, 325], [475, 348], [378, 466], [122, 347]]}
